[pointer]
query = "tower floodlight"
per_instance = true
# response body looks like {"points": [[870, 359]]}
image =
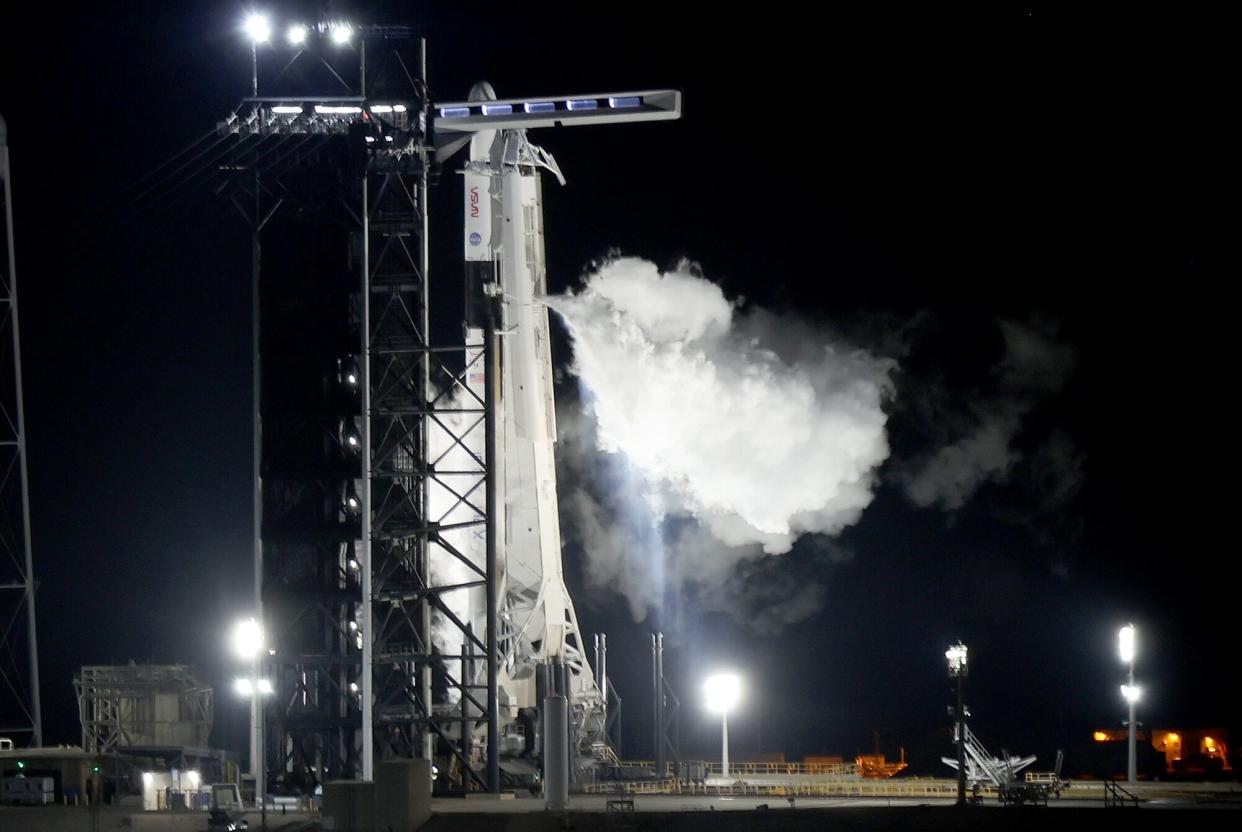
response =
{"points": [[341, 33], [956, 656], [1132, 693], [1125, 643], [296, 35], [722, 692], [258, 28], [247, 638]]}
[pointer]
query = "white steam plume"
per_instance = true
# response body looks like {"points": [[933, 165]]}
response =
{"points": [[759, 426], [1035, 366]]}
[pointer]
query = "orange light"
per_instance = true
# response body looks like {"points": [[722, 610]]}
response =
{"points": [[1209, 743], [1100, 736], [1172, 738]]}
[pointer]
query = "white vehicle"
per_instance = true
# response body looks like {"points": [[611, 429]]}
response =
{"points": [[27, 791]]}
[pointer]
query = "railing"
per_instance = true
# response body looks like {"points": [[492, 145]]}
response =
{"points": [[1116, 797], [905, 787], [713, 769]]}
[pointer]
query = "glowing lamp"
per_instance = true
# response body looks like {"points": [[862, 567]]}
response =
{"points": [[1125, 643], [297, 34], [722, 692], [956, 656], [258, 28], [1132, 693], [341, 33], [247, 638], [1100, 736]]}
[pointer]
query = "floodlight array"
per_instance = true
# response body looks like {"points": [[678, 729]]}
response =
{"points": [[258, 29], [386, 123]]}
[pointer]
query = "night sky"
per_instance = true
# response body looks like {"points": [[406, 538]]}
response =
{"points": [[909, 176]]}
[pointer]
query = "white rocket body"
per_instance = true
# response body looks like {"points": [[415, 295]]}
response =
{"points": [[537, 622]]}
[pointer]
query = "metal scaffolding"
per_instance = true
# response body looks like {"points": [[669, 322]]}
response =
{"points": [[19, 654], [142, 706], [359, 418]]}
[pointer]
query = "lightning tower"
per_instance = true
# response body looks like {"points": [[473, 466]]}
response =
{"points": [[19, 654]]}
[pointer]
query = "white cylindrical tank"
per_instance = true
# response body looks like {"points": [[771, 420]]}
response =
{"points": [[556, 753]]}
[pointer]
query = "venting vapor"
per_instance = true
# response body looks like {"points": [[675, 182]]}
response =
{"points": [[758, 425]]}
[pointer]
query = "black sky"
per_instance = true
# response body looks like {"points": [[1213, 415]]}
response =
{"points": [[966, 165]]}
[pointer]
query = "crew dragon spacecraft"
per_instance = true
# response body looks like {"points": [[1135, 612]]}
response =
{"points": [[503, 248]]}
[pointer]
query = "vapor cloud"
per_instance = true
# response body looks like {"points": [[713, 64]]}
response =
{"points": [[759, 427], [983, 448]]}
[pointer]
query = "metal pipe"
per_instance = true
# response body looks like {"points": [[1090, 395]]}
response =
{"points": [[256, 418], [466, 678], [423, 555], [260, 778], [961, 738], [601, 667], [556, 753], [367, 623], [492, 361], [724, 744], [657, 664], [1132, 745]]}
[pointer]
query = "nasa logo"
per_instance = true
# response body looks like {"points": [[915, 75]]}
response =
{"points": [[475, 238], [474, 202]]}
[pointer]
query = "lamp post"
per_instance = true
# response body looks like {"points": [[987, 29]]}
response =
{"points": [[956, 656], [248, 644], [259, 29], [1131, 692], [722, 692]]}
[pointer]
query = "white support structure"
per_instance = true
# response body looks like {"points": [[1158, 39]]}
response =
{"points": [[984, 769]]}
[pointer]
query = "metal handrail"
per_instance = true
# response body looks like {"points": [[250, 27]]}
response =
{"points": [[1117, 797], [715, 769]]}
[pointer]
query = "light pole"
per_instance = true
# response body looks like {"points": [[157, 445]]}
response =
{"points": [[722, 692], [1131, 692], [259, 29], [956, 656], [248, 644]]}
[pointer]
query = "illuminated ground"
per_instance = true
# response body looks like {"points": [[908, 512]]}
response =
{"points": [[710, 814]]}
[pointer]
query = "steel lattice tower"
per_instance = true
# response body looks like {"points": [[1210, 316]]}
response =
{"points": [[355, 415], [19, 655]]}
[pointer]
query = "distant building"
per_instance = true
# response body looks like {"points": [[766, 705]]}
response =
{"points": [[1182, 751]]}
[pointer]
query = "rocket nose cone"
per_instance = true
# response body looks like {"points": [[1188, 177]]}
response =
{"points": [[482, 91]]}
